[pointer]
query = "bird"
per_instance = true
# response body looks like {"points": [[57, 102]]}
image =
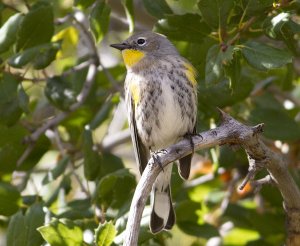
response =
{"points": [[161, 100]]}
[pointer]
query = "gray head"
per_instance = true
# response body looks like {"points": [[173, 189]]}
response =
{"points": [[150, 43]]}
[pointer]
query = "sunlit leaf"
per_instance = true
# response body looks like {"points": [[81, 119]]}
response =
{"points": [[128, 6], [8, 32], [105, 234], [83, 4], [69, 38], [62, 233]]}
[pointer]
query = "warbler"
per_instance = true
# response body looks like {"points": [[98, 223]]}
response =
{"points": [[161, 100]]}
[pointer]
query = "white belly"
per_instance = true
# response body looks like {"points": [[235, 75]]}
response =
{"points": [[172, 125]]}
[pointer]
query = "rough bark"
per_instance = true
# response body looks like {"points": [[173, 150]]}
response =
{"points": [[259, 155]]}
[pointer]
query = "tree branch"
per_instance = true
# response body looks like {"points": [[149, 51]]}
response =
{"points": [[229, 132]]}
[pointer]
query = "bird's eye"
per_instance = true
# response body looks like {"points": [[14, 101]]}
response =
{"points": [[141, 41]]}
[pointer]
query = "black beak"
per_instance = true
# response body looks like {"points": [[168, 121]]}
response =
{"points": [[122, 46]]}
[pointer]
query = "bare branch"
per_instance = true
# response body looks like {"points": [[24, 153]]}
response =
{"points": [[229, 132], [257, 184]]}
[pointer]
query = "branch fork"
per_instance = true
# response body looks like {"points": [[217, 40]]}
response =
{"points": [[229, 132]]}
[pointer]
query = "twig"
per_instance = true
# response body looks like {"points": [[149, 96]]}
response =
{"points": [[241, 30], [201, 180], [113, 140], [79, 19], [230, 191], [257, 184], [79, 181], [229, 132]]}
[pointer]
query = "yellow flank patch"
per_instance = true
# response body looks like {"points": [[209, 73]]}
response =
{"points": [[135, 93], [131, 57], [191, 73]]}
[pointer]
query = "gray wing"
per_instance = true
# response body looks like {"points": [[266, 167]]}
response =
{"points": [[141, 152]]}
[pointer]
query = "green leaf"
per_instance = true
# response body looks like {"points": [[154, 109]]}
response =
{"points": [[99, 20], [129, 10], [22, 228], [215, 12], [64, 185], [110, 163], [59, 91], [187, 210], [42, 146], [221, 95], [92, 159], [62, 91], [249, 218], [23, 99], [215, 60], [256, 7], [11, 146], [9, 199], [282, 27], [16, 235], [115, 189], [10, 110], [105, 234], [187, 213], [40, 56], [37, 26], [158, 8], [83, 4], [233, 70], [241, 236], [287, 83], [56, 171], [188, 27], [264, 57], [183, 7], [101, 115], [8, 32], [278, 124], [78, 209], [62, 233]]}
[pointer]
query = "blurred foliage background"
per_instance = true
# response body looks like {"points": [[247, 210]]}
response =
{"points": [[67, 170]]}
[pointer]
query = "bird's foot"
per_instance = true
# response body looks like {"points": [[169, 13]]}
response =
{"points": [[156, 158], [189, 136]]}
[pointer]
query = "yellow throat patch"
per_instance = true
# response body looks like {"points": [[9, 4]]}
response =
{"points": [[131, 57], [191, 73]]}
